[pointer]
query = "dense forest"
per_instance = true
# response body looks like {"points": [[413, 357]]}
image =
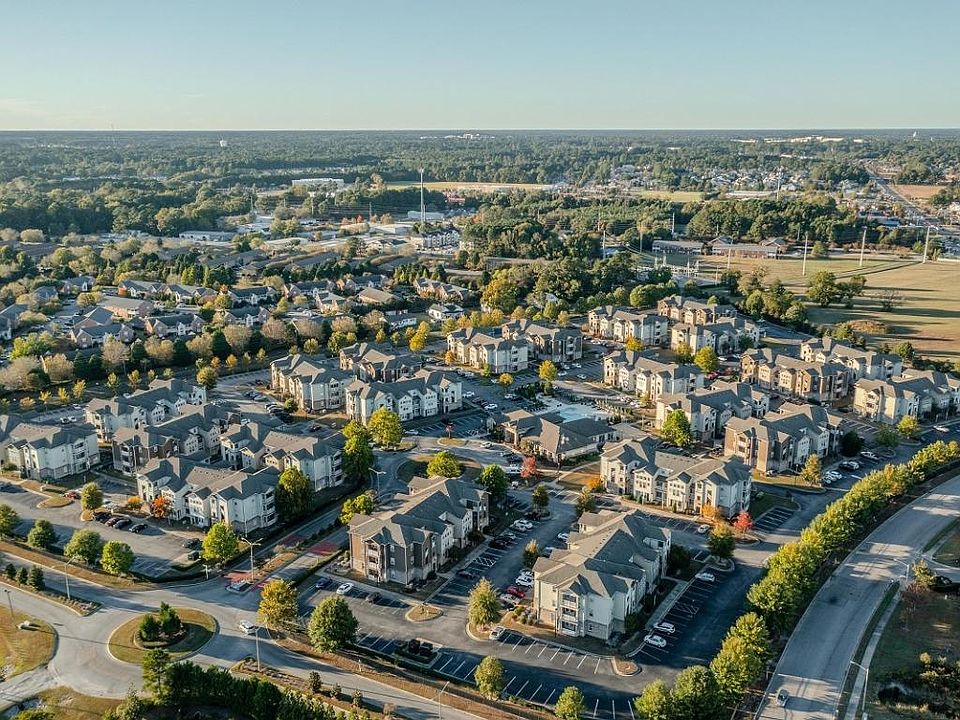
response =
{"points": [[61, 182]]}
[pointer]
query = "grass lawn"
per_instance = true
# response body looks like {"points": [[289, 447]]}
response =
{"points": [[24, 650], [417, 465], [125, 644], [581, 476], [477, 186], [933, 627], [949, 552], [680, 196], [928, 315], [68, 704], [918, 193], [758, 506], [790, 270]]}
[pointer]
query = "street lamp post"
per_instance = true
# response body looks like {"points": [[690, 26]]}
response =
{"points": [[376, 479], [256, 639], [10, 603], [439, 706], [66, 577], [866, 685], [252, 545]]}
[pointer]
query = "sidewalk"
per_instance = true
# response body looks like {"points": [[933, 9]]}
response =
{"points": [[860, 684]]}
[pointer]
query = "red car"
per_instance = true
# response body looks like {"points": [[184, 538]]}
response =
{"points": [[517, 592]]}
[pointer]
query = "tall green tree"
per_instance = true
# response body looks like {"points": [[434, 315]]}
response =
{"points": [[721, 542], [42, 535], [220, 543], [91, 496], [540, 498], [84, 546], [676, 429], [571, 704], [278, 603], [706, 359], [654, 702], [9, 519], [444, 464], [495, 481], [116, 558], [294, 493], [489, 677], [362, 504], [696, 695], [483, 604], [385, 427], [332, 625]]}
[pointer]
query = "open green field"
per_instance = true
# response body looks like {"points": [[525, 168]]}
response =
{"points": [[932, 627], [678, 196], [24, 650], [790, 270], [472, 186], [928, 316]]}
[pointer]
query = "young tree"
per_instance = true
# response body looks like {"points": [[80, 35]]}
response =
{"points": [[84, 546], [494, 480], [154, 667], [42, 535], [357, 458], [571, 704], [721, 542], [706, 359], [676, 429], [91, 496], [444, 464], [530, 553], [332, 625], [490, 677], [160, 507], [116, 558], [812, 473], [743, 523], [9, 519], [586, 502], [908, 427], [35, 578], [851, 443], [220, 543], [633, 344], [540, 498], [360, 505], [278, 603], [654, 702], [528, 470], [385, 427], [548, 373], [294, 492], [207, 376], [684, 353], [887, 437], [505, 380], [483, 605], [695, 694]]}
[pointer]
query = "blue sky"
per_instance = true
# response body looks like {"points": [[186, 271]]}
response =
{"points": [[316, 64]]}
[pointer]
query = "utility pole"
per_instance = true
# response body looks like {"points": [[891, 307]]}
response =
{"points": [[66, 578], [10, 603], [256, 637], [423, 212], [926, 244], [806, 239], [863, 246], [673, 224], [252, 546]]}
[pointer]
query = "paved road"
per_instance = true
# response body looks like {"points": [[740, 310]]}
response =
{"points": [[814, 664]]}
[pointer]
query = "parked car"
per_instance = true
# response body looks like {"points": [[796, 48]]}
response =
{"points": [[193, 555], [782, 697], [322, 583], [466, 574], [869, 455], [941, 428], [849, 465], [508, 600], [665, 627], [524, 581], [248, 628], [122, 523], [655, 640], [345, 588], [374, 598], [191, 543], [517, 592], [706, 577], [498, 544], [563, 537], [138, 528], [497, 632], [703, 529]]}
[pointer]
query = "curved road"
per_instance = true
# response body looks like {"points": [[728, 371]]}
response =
{"points": [[814, 664]]}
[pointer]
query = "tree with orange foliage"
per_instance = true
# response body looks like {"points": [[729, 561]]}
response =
{"points": [[743, 523], [160, 507]]}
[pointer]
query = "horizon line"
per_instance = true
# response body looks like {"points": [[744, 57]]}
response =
{"points": [[496, 129]]}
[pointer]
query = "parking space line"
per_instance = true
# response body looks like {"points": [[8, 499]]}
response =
{"points": [[569, 655], [554, 654], [597, 668], [520, 691], [595, 706], [581, 661], [613, 709], [535, 692], [462, 663], [530, 647], [507, 686], [449, 660], [541, 651], [632, 716], [550, 696]]}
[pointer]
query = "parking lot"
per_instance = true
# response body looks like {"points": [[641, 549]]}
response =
{"points": [[695, 599], [463, 426], [773, 519]]}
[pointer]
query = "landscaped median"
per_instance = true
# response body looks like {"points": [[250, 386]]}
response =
{"points": [[24, 649], [421, 682], [192, 631], [22, 580]]}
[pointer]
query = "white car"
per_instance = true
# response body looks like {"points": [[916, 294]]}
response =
{"points": [[703, 529], [523, 581], [665, 627], [497, 632], [655, 640], [522, 525], [248, 628], [344, 588], [869, 455], [490, 406], [564, 536], [548, 549], [509, 600], [705, 576], [941, 428], [581, 376], [469, 394]]}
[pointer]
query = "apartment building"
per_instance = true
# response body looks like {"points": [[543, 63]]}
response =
{"points": [[251, 447], [181, 325], [811, 381], [624, 323], [637, 468], [424, 394], [555, 438], [383, 363], [479, 350], [635, 372], [203, 495], [613, 561], [783, 440], [441, 291], [863, 364], [195, 434], [162, 400], [47, 452], [692, 311], [724, 336], [96, 335], [314, 386], [709, 409], [411, 542], [917, 393], [559, 345], [127, 308]]}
